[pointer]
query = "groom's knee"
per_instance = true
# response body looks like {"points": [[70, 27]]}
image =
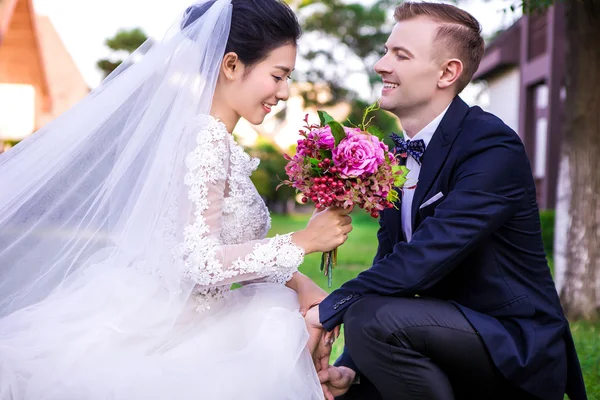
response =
{"points": [[360, 323], [381, 319]]}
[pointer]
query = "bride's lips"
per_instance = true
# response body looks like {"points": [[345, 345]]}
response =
{"points": [[267, 107]]}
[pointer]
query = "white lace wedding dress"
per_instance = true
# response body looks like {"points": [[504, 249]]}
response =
{"points": [[247, 343]]}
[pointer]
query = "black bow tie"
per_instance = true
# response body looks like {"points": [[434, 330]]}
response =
{"points": [[416, 148]]}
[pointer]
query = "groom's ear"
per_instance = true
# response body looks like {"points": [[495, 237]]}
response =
{"points": [[452, 70]]}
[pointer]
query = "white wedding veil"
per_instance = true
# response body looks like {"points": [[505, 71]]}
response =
{"points": [[102, 186]]}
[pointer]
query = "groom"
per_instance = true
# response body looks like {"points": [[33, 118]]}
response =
{"points": [[459, 302]]}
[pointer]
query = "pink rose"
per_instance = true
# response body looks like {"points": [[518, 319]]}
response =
{"points": [[351, 131], [323, 137], [359, 155]]}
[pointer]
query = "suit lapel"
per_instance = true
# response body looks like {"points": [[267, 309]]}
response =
{"points": [[437, 152]]}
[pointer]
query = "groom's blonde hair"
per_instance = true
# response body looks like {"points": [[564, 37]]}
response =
{"points": [[459, 33]]}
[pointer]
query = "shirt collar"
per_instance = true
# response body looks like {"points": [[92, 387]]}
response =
{"points": [[427, 133]]}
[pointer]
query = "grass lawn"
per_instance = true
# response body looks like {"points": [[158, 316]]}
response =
{"points": [[356, 255]]}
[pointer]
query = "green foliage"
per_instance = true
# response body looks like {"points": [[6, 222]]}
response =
{"points": [[533, 6], [108, 66], [586, 336], [122, 44], [337, 130], [324, 117], [547, 224], [383, 120], [527, 6], [128, 40], [10, 142], [346, 38]]}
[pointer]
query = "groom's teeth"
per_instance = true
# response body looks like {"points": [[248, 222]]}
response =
{"points": [[390, 85]]}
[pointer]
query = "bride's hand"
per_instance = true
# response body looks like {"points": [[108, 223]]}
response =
{"points": [[325, 231], [320, 342], [309, 293], [322, 352]]}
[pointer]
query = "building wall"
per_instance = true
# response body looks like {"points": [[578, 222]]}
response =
{"points": [[17, 111], [503, 91], [21, 66], [65, 82]]}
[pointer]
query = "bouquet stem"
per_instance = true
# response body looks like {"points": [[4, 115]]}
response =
{"points": [[328, 262]]}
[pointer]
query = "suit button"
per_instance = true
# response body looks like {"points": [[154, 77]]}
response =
{"points": [[335, 307]]}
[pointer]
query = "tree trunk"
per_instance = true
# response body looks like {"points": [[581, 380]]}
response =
{"points": [[580, 291], [561, 223]]}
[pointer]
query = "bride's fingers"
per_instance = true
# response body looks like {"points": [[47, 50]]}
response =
{"points": [[314, 340], [327, 392], [328, 337], [318, 210], [324, 364], [346, 220]]}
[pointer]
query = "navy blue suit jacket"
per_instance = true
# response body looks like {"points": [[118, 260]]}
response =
{"points": [[479, 247]]}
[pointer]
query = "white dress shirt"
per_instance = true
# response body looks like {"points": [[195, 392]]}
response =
{"points": [[413, 175]]}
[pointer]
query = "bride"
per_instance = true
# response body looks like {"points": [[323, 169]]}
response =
{"points": [[124, 222]]}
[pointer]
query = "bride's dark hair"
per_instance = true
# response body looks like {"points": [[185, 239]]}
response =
{"points": [[257, 27]]}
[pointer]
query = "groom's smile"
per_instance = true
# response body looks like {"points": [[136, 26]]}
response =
{"points": [[410, 67], [388, 86]]}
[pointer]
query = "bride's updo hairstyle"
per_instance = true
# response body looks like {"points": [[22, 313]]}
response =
{"points": [[257, 27]]}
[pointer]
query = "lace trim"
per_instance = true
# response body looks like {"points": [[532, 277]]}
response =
{"points": [[205, 297], [205, 165], [276, 259], [242, 195]]}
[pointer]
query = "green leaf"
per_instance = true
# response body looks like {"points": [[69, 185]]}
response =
{"points": [[325, 118], [400, 179], [315, 166], [325, 153], [337, 130], [392, 196], [375, 131]]}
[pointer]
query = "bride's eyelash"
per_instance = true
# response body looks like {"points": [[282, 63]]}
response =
{"points": [[279, 78]]}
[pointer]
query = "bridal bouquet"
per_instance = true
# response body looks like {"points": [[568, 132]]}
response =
{"points": [[342, 166]]}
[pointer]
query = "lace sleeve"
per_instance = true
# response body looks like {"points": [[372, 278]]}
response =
{"points": [[209, 262]]}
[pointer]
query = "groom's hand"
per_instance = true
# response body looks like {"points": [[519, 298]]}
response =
{"points": [[336, 381]]}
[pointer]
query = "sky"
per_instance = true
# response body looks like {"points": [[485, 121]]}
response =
{"points": [[83, 25]]}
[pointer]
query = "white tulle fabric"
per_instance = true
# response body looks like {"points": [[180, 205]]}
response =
{"points": [[123, 224]]}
